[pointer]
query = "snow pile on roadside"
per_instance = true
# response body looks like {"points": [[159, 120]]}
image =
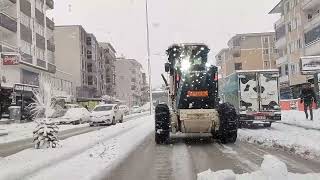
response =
{"points": [[98, 161], [298, 118], [296, 140], [24, 131], [29, 161], [271, 169]]}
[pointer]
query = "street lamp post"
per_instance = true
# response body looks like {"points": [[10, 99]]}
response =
{"points": [[148, 51]]}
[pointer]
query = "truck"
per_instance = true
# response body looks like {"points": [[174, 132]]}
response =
{"points": [[255, 95], [193, 106]]}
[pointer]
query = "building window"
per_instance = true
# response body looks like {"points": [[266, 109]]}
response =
{"points": [[238, 66], [299, 45], [89, 54], [133, 87], [40, 54], [286, 68], [266, 64], [265, 51], [25, 20], [90, 80], [25, 47], [89, 41], [89, 67], [39, 29], [266, 40], [289, 27]]}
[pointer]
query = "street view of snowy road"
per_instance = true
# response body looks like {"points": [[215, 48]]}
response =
{"points": [[128, 151]]}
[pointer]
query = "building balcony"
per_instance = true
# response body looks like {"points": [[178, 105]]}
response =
{"points": [[313, 48], [282, 60], [310, 4], [312, 23], [280, 43], [284, 79], [50, 3], [8, 22], [50, 46]]}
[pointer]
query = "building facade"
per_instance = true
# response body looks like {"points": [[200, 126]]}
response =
{"points": [[247, 52], [129, 81], [91, 63], [297, 35], [26, 41], [108, 75]]}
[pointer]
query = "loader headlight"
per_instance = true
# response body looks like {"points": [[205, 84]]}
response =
{"points": [[185, 65]]}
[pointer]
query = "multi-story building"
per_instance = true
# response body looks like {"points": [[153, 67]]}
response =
{"points": [[108, 77], [26, 41], [74, 55], [129, 81], [297, 35], [247, 52], [91, 63]]}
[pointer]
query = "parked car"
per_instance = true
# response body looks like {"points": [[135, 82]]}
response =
{"points": [[75, 116], [106, 114], [124, 109], [136, 109]]}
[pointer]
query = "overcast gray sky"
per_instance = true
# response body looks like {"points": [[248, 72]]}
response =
{"points": [[122, 22]]}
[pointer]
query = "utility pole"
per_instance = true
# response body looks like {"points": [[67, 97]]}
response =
{"points": [[148, 51]]}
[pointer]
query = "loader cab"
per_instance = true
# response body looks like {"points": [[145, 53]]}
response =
{"points": [[195, 80]]}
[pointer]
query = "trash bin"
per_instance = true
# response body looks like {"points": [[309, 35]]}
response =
{"points": [[15, 113]]}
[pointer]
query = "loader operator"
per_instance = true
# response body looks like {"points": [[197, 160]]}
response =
{"points": [[307, 97]]}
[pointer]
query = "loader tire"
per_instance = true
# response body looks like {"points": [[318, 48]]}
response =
{"points": [[162, 123], [228, 123]]}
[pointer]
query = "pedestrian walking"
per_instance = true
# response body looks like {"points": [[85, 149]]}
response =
{"points": [[307, 98]]}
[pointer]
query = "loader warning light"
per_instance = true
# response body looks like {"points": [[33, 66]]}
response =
{"points": [[198, 93]]}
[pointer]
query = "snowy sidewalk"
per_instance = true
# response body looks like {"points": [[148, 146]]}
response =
{"points": [[271, 169], [110, 144], [21, 131], [297, 118], [300, 141]]}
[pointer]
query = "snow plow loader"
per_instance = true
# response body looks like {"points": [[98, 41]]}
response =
{"points": [[193, 106]]}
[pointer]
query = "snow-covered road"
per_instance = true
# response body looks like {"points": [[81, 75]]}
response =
{"points": [[184, 159]]}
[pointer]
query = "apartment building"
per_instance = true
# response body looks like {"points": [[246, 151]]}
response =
{"points": [[297, 35], [247, 52], [74, 56], [108, 76], [129, 81], [26, 41], [91, 64]]}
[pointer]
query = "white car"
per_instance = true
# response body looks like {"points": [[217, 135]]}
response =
{"points": [[107, 114], [75, 116], [124, 109], [136, 109]]}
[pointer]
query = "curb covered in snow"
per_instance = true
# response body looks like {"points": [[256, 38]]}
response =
{"points": [[271, 169]]}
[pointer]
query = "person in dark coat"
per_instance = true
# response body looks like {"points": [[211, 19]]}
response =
{"points": [[308, 97]]}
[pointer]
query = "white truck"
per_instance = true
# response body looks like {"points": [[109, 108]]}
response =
{"points": [[255, 95]]}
